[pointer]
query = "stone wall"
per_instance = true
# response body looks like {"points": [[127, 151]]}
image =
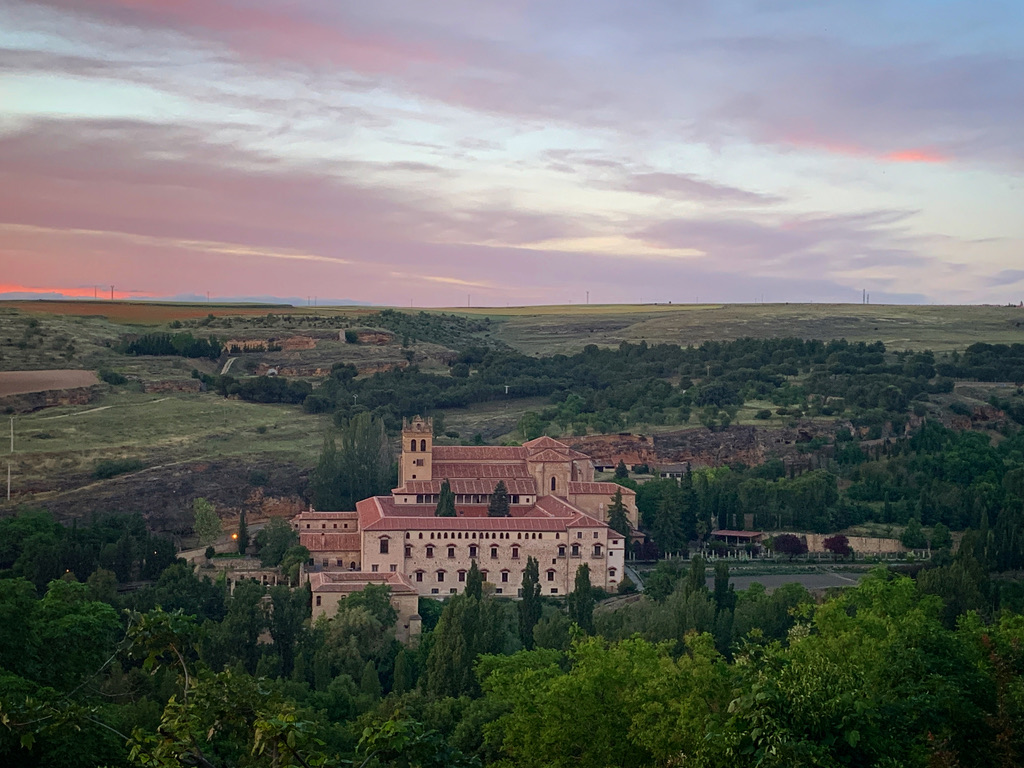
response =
{"points": [[34, 401]]}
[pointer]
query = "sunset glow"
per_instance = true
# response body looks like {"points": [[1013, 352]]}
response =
{"points": [[512, 153]]}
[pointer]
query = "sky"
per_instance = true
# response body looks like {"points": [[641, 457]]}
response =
{"points": [[516, 152]]}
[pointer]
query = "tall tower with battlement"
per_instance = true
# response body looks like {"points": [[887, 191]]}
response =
{"points": [[417, 445]]}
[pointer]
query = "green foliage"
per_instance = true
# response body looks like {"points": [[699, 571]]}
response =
{"points": [[498, 505], [205, 522], [243, 533], [529, 607], [180, 344], [358, 466], [445, 501], [621, 470], [579, 603], [913, 537], [617, 519], [111, 377], [274, 540], [107, 468]]}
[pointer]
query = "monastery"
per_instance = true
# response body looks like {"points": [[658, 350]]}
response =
{"points": [[558, 515]]}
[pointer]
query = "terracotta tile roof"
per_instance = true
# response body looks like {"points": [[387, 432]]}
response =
{"points": [[462, 485], [603, 489], [322, 541], [478, 453], [551, 513], [547, 455], [355, 581], [452, 470], [543, 442]]}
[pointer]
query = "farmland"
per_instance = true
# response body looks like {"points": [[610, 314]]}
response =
{"points": [[147, 419]]}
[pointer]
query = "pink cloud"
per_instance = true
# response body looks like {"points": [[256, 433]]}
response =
{"points": [[922, 155], [266, 32]]}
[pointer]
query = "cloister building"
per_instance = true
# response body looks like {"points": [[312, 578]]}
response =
{"points": [[558, 515]]}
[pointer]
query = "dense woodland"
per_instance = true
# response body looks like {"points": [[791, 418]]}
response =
{"points": [[114, 653], [900, 671]]}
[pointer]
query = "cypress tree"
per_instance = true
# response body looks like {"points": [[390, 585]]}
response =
{"points": [[580, 602], [529, 606], [369, 685], [243, 533], [621, 471], [498, 504], [445, 501], [696, 580], [402, 673], [474, 582], [617, 519]]}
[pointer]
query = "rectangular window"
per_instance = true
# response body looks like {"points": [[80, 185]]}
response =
{"points": [[451, 551], [433, 591], [504, 577], [318, 599], [499, 591], [551, 575], [554, 590], [440, 576], [462, 575], [419, 575], [430, 551], [408, 550], [515, 553], [494, 553], [383, 546], [472, 550], [393, 567], [373, 568]]}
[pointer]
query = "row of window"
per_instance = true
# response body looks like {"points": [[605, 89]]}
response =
{"points": [[473, 535], [474, 551], [504, 575]]}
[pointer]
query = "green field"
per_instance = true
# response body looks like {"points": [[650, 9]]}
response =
{"points": [[59, 447]]}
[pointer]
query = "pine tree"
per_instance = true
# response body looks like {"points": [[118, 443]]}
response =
{"points": [[617, 519], [498, 505], [445, 501], [474, 582], [621, 471], [913, 536], [580, 602], [243, 533], [529, 607]]}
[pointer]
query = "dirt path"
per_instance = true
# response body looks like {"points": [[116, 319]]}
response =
{"points": [[227, 365], [101, 408]]}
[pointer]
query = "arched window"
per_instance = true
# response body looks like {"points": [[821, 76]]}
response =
{"points": [[412, 445], [423, 445], [552, 483]]}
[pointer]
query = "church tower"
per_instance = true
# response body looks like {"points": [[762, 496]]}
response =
{"points": [[417, 445]]}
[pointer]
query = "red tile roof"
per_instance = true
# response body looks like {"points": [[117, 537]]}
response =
{"points": [[478, 453], [547, 455], [355, 581], [461, 485], [738, 534], [551, 513], [604, 489], [452, 470], [322, 541]]}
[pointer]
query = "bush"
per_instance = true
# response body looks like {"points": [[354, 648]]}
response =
{"points": [[107, 468], [112, 377], [351, 337], [763, 414]]}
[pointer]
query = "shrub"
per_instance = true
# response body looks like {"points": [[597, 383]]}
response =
{"points": [[107, 468], [763, 414], [112, 377], [351, 337]]}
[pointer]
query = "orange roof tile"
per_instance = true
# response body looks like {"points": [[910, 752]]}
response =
{"points": [[478, 453], [603, 489], [466, 486], [452, 470]]}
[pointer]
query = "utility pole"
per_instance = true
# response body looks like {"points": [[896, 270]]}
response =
{"points": [[9, 461], [588, 297], [111, 293]]}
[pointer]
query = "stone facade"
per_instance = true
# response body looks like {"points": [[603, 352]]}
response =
{"points": [[558, 515], [330, 588]]}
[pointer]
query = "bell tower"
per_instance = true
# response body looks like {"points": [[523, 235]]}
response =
{"points": [[417, 445]]}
